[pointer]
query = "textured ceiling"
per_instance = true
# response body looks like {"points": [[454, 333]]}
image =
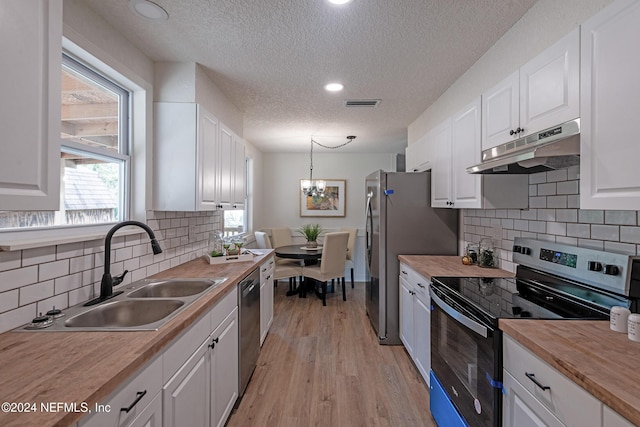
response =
{"points": [[272, 58]]}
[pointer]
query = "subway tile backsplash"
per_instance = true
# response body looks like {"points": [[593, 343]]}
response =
{"points": [[35, 280], [554, 216]]}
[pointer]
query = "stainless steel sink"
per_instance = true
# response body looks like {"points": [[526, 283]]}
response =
{"points": [[174, 288], [145, 305], [125, 313]]}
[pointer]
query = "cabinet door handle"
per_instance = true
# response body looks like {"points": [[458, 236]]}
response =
{"points": [[139, 396], [532, 377], [213, 343]]}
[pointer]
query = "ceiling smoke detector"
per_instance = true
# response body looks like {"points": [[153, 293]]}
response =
{"points": [[362, 102]]}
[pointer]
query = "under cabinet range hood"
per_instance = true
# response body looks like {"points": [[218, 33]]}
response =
{"points": [[555, 148]]}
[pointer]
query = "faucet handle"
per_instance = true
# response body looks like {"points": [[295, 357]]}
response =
{"points": [[118, 279]]}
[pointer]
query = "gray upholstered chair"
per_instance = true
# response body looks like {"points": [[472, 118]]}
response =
{"points": [[332, 262]]}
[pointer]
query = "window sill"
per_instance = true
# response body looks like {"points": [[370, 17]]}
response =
{"points": [[29, 239]]}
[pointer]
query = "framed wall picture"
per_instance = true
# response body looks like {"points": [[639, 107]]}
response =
{"points": [[332, 203]]}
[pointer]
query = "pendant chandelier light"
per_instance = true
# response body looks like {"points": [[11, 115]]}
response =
{"points": [[317, 188]]}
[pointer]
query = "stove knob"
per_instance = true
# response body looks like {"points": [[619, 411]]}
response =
{"points": [[611, 270], [525, 251], [517, 248], [595, 266]]}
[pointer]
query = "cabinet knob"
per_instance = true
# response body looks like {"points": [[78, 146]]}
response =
{"points": [[213, 343], [512, 132]]}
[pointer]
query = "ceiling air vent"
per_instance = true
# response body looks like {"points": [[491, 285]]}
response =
{"points": [[362, 102]]}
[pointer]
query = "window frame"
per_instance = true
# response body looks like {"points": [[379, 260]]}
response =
{"points": [[124, 134], [138, 91]]}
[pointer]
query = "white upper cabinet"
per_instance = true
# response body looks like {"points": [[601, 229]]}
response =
{"points": [[239, 172], [456, 146], [542, 93], [31, 46], [417, 155], [500, 108], [186, 152], [231, 170], [610, 105], [225, 169], [441, 169], [466, 189], [550, 86]]}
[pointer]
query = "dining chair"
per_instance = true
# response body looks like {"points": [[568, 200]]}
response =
{"points": [[350, 248], [281, 237], [285, 268], [262, 240], [332, 262]]}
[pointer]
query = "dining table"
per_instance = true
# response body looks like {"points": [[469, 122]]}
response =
{"points": [[307, 256]]}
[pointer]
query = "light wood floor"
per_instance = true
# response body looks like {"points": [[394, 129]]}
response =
{"points": [[322, 366]]}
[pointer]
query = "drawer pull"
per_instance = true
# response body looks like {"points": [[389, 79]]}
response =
{"points": [[139, 396], [420, 284], [532, 377], [404, 272]]}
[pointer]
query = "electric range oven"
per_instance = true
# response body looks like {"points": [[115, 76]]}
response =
{"points": [[552, 282]]}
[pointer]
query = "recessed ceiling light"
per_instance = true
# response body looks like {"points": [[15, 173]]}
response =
{"points": [[148, 10], [339, 1], [334, 87]]}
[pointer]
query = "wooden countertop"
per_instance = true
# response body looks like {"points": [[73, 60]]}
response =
{"points": [[88, 366], [430, 266], [603, 362]]}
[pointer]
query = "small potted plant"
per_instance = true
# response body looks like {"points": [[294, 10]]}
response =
{"points": [[311, 232]]}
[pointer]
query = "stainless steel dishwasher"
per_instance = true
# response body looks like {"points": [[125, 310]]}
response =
{"points": [[249, 330]]}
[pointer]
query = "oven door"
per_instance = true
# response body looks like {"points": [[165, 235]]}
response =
{"points": [[466, 359]]}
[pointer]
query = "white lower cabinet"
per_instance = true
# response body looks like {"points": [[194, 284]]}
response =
{"points": [[611, 418], [224, 369], [266, 297], [205, 388], [186, 396], [536, 394], [125, 405], [199, 370], [151, 416], [415, 318]]}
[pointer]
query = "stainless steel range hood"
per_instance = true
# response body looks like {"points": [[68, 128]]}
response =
{"points": [[554, 148]]}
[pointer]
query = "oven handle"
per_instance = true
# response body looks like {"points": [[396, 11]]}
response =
{"points": [[466, 321]]}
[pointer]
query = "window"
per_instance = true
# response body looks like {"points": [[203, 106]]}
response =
{"points": [[94, 155]]}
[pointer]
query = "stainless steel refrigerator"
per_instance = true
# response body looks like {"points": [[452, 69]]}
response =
{"points": [[400, 221]]}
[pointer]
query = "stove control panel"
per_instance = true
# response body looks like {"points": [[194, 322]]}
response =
{"points": [[609, 271], [557, 257]]}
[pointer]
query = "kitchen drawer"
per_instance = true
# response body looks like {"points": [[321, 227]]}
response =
{"points": [[148, 380], [568, 402], [419, 282], [266, 269], [222, 309]]}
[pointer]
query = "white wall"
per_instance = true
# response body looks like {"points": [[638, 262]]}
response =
{"points": [[546, 22], [281, 185], [282, 173]]}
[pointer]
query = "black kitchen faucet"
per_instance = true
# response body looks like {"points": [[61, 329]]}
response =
{"points": [[108, 282]]}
